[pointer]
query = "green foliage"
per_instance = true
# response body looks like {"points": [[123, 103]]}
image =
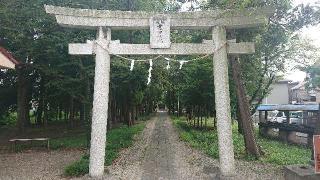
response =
{"points": [[313, 79], [8, 119], [57, 79], [277, 153], [78, 141], [284, 154], [276, 46], [117, 139], [78, 168]]}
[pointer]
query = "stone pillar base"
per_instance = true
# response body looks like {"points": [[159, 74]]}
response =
{"points": [[300, 172], [283, 136], [263, 131], [271, 132], [310, 140], [292, 137]]}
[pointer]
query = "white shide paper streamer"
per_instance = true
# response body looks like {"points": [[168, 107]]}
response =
{"points": [[132, 65], [168, 65], [181, 63], [150, 69]]}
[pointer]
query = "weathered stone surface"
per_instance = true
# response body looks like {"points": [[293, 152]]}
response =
{"points": [[283, 135], [160, 32], [300, 172], [100, 107], [81, 48], [292, 137], [263, 131], [115, 47], [231, 19], [222, 101], [160, 26]]}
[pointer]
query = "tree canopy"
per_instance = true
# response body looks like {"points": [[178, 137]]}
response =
{"points": [[59, 87]]}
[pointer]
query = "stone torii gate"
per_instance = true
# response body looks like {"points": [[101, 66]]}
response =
{"points": [[160, 25]]}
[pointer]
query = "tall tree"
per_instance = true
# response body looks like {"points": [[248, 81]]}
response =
{"points": [[245, 120]]}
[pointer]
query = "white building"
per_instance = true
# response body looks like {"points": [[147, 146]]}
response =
{"points": [[280, 93], [300, 94], [287, 92]]}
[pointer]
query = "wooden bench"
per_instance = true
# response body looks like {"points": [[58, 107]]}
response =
{"points": [[14, 142]]}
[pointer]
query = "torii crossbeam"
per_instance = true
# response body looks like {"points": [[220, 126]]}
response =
{"points": [[160, 26]]}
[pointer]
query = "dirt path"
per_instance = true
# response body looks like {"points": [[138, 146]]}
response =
{"points": [[159, 154], [36, 165], [156, 154]]}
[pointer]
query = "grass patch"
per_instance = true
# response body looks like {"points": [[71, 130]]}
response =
{"points": [[277, 153], [117, 139], [284, 154], [78, 168], [78, 141]]}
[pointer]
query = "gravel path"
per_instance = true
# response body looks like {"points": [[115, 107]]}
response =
{"points": [[156, 154], [159, 154], [36, 165]]}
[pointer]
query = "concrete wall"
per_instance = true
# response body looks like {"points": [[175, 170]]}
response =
{"points": [[278, 95]]}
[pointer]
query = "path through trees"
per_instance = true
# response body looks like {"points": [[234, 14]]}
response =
{"points": [[160, 25], [159, 154]]}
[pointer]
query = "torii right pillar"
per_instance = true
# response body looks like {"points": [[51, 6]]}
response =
{"points": [[222, 101]]}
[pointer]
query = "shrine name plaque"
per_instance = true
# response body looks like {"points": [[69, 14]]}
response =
{"points": [[160, 32]]}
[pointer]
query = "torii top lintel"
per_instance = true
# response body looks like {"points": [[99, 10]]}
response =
{"points": [[88, 18]]}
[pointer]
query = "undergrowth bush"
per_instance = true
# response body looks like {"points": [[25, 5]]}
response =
{"points": [[276, 152], [117, 139], [8, 120], [78, 141], [78, 168]]}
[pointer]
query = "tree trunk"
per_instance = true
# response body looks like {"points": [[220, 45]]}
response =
{"points": [[45, 119], [109, 120], [240, 126], [41, 103], [137, 113], [243, 104], [82, 113], [88, 111], [114, 112], [39, 112], [60, 112], [71, 115], [134, 115], [23, 119]]}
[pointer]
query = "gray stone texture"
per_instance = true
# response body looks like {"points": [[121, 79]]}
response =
{"points": [[222, 101], [231, 19], [100, 107], [160, 25], [115, 47], [160, 32], [300, 172]]}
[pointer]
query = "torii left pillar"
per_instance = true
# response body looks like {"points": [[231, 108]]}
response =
{"points": [[100, 105]]}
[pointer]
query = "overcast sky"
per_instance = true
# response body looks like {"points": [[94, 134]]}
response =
{"points": [[312, 33]]}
